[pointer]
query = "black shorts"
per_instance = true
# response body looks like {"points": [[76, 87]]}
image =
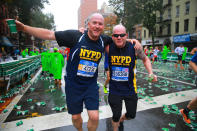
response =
{"points": [[115, 102], [179, 57], [106, 69]]}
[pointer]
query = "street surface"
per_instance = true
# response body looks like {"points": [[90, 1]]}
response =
{"points": [[42, 106]]}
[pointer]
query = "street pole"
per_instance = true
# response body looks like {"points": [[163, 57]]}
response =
{"points": [[32, 38]]}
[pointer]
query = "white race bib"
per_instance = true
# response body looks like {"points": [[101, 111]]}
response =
{"points": [[120, 73], [86, 68]]}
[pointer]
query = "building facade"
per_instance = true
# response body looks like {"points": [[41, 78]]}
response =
{"points": [[110, 19], [86, 8], [177, 24]]}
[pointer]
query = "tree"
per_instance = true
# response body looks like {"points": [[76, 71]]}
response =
{"points": [[127, 12], [25, 8], [43, 20], [149, 10], [110, 21], [133, 12]]}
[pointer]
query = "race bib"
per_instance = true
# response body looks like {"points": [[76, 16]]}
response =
{"points": [[120, 73], [86, 68]]}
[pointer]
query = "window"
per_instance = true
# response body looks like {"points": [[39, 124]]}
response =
{"points": [[169, 1], [160, 30], [169, 29], [169, 14], [177, 27], [177, 10], [187, 7], [144, 33], [139, 34], [196, 24], [186, 24]]}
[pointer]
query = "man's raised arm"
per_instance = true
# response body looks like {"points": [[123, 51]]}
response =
{"points": [[41, 33]]}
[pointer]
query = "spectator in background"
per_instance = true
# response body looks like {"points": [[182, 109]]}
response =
{"points": [[146, 50], [179, 51], [25, 53], [44, 61], [57, 63], [67, 50], [155, 54], [165, 53]]}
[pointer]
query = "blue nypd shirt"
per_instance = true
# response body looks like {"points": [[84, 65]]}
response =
{"points": [[85, 55]]}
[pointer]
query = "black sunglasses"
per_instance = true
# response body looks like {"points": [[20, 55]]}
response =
{"points": [[117, 35]]}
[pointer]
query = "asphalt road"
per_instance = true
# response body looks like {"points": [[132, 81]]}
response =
{"points": [[42, 106]]}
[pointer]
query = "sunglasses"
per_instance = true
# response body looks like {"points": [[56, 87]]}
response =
{"points": [[117, 35]]}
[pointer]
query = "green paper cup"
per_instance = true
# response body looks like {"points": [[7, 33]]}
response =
{"points": [[12, 25]]}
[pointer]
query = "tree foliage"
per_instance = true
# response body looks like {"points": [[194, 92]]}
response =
{"points": [[26, 7], [132, 12], [127, 12], [43, 20]]}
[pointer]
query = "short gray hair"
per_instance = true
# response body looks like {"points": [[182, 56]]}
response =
{"points": [[93, 14]]}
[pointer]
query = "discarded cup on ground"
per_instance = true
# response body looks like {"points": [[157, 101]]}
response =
{"points": [[150, 78], [12, 25]]}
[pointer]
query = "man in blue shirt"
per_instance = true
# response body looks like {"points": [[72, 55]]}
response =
{"points": [[193, 103]]}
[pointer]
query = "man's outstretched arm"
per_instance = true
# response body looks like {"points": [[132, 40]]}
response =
{"points": [[140, 54], [41, 33]]}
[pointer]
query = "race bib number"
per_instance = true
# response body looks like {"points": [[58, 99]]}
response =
{"points": [[86, 68], [120, 73]]}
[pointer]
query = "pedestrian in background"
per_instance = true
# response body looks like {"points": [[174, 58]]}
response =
{"points": [[179, 51]]}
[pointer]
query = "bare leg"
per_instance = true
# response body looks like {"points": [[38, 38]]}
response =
{"points": [[192, 104], [59, 83], [115, 125], [93, 120], [176, 65], [108, 78], [123, 117], [181, 65], [56, 82], [77, 122]]}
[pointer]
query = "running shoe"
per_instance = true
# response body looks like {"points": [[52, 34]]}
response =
{"points": [[105, 89], [185, 116]]}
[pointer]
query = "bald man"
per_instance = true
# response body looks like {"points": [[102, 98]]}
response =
{"points": [[122, 65]]}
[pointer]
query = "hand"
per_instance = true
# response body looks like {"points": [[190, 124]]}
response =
{"points": [[137, 46], [81, 30], [152, 77], [20, 26]]}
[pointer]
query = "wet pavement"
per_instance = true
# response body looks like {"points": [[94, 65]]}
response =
{"points": [[42, 106], [149, 120]]}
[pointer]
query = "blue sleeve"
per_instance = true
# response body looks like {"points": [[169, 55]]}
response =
{"points": [[194, 58], [106, 61]]}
